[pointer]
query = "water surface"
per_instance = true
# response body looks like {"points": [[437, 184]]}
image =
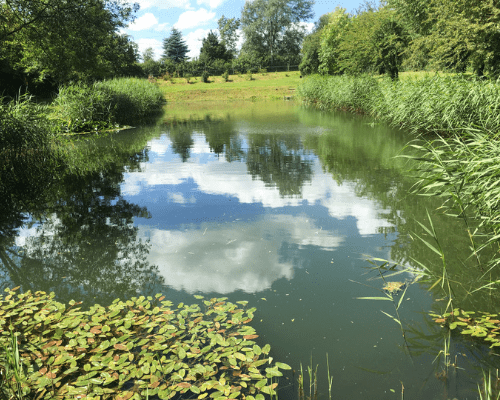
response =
{"points": [[272, 203]]}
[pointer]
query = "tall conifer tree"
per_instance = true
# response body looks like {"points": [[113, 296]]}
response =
{"points": [[174, 47]]}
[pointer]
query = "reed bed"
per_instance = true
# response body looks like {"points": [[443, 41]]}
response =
{"points": [[433, 104], [80, 107]]}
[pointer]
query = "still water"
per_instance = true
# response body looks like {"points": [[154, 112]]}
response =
{"points": [[272, 203]]}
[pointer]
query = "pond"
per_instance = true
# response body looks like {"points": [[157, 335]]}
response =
{"points": [[273, 203]]}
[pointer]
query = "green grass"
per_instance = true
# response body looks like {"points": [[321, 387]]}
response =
{"points": [[263, 86]]}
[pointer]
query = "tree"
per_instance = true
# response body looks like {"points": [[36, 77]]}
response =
{"points": [[330, 39], [269, 26], [212, 49], [228, 31], [174, 47], [65, 40], [311, 46], [148, 54], [466, 34]]}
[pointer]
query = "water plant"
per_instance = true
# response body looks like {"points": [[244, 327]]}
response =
{"points": [[142, 347]]}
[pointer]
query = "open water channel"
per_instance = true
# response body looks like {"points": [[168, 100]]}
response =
{"points": [[273, 203]]}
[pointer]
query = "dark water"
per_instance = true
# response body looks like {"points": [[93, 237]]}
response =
{"points": [[272, 203]]}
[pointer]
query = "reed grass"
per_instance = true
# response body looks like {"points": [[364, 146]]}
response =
{"points": [[13, 380], [133, 99], [80, 107], [437, 104]]}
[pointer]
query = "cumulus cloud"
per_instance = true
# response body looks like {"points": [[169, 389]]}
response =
{"points": [[155, 44], [214, 177], [192, 19], [146, 21], [225, 258], [164, 4]]}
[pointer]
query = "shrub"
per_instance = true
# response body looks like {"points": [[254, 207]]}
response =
{"points": [[188, 77], [249, 76], [204, 76], [225, 76]]}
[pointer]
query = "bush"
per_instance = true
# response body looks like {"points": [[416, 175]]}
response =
{"points": [[204, 76], [249, 76], [225, 76], [80, 107], [188, 77]]}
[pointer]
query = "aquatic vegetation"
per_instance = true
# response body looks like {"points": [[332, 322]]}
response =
{"points": [[438, 104], [142, 347], [393, 287], [104, 105]]}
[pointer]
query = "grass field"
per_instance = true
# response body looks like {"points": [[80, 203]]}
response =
{"points": [[262, 86]]}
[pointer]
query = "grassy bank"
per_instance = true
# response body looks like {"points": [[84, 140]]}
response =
{"points": [[258, 86]]}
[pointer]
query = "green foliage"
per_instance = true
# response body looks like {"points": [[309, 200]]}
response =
{"points": [[49, 41], [225, 76], [136, 348], [124, 101], [174, 47], [204, 76], [133, 99], [430, 104], [228, 30], [340, 92], [329, 41], [212, 49], [27, 157], [83, 108], [271, 28]]}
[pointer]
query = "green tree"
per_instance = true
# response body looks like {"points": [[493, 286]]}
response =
{"points": [[212, 49], [228, 31], [64, 40], [270, 26], [311, 46], [174, 47], [330, 39], [466, 34], [390, 40]]}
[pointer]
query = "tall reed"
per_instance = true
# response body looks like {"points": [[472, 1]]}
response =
{"points": [[439, 104]]}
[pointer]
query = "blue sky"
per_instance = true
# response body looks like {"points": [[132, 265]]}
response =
{"points": [[195, 18]]}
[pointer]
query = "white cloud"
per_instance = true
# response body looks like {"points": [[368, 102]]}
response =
{"points": [[164, 4], [193, 41], [146, 21], [218, 178], [155, 44], [232, 256], [192, 19], [308, 26], [210, 3]]}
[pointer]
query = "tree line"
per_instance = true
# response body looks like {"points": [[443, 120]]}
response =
{"points": [[394, 35], [49, 42]]}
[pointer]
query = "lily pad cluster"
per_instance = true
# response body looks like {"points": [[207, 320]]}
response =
{"points": [[481, 325], [135, 349]]}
